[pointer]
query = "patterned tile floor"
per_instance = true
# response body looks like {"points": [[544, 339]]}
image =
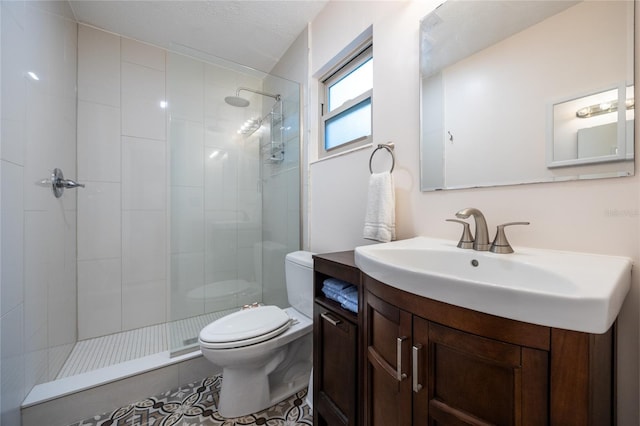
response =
{"points": [[195, 405]]}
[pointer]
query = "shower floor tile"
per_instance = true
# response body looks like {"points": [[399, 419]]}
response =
{"points": [[92, 354], [196, 404]]}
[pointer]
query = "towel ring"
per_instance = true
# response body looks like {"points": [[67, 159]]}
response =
{"points": [[389, 147]]}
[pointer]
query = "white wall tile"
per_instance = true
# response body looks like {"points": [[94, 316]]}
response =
{"points": [[185, 83], [221, 179], [99, 297], [142, 54], [13, 81], [186, 145], [40, 147], [98, 142], [245, 262], [143, 304], [65, 155], [40, 239], [56, 44], [12, 140], [142, 92], [36, 358], [250, 292], [98, 66], [187, 290], [143, 246], [144, 174], [187, 220], [11, 292], [12, 366], [62, 294], [99, 224], [221, 294]]}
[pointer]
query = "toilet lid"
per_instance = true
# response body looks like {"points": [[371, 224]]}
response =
{"points": [[245, 327]]}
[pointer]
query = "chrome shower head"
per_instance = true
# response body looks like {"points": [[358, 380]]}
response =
{"points": [[238, 101]]}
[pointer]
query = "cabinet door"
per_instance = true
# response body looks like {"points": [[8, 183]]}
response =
{"points": [[473, 380], [335, 369], [387, 348]]}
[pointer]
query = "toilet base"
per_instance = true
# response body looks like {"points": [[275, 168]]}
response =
{"points": [[238, 401], [250, 390]]}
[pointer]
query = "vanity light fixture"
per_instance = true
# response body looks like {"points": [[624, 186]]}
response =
{"points": [[603, 108]]}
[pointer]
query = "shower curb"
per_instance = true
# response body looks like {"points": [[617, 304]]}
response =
{"points": [[71, 399]]}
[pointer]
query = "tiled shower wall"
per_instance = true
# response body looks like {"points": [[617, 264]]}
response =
{"points": [[38, 279], [281, 193], [153, 245], [122, 155], [215, 210]]}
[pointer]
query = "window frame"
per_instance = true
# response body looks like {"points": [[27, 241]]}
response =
{"points": [[352, 62]]}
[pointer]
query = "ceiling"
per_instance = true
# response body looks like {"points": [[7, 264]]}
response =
{"points": [[248, 32]]}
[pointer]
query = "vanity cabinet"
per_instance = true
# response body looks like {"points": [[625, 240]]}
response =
{"points": [[428, 362], [337, 344]]}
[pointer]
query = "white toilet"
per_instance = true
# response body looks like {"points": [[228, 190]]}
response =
{"points": [[265, 352]]}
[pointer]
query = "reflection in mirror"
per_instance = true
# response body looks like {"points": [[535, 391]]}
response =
{"points": [[506, 89], [596, 128]]}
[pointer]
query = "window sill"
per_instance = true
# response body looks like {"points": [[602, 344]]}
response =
{"points": [[340, 154]]}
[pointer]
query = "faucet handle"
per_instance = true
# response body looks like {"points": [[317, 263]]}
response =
{"points": [[466, 240], [500, 243]]}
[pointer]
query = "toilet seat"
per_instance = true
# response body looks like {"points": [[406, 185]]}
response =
{"points": [[245, 327]]}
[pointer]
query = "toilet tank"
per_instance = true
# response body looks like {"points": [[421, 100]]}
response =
{"points": [[298, 268]]}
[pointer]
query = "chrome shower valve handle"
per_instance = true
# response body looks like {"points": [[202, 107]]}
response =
{"points": [[59, 183]]}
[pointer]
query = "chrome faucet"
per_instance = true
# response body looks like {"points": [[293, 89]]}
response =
{"points": [[481, 241]]}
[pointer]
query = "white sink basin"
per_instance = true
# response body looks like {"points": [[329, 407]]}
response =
{"points": [[574, 291]]}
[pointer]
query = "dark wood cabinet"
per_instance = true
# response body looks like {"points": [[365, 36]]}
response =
{"points": [[475, 380], [337, 345], [388, 330], [404, 359], [430, 363]]}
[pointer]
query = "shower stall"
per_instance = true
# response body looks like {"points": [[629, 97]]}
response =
{"points": [[234, 205], [188, 208]]}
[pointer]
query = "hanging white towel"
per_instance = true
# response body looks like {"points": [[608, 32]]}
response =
{"points": [[380, 218]]}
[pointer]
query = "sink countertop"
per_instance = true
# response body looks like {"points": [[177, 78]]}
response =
{"points": [[569, 290]]}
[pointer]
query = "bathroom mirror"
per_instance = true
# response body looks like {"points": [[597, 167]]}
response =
{"points": [[519, 92]]}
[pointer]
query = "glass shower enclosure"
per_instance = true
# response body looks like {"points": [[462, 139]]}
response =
{"points": [[234, 191]]}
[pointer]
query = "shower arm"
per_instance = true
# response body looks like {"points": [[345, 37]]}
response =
{"points": [[240, 89]]}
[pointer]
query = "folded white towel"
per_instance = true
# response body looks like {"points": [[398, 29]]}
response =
{"points": [[380, 218]]}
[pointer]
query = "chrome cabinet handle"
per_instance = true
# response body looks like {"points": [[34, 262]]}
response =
{"points": [[416, 356], [400, 376], [325, 316]]}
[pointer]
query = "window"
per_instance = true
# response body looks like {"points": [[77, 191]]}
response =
{"points": [[347, 104]]}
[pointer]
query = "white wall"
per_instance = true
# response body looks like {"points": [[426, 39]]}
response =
{"points": [[598, 216], [38, 282]]}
